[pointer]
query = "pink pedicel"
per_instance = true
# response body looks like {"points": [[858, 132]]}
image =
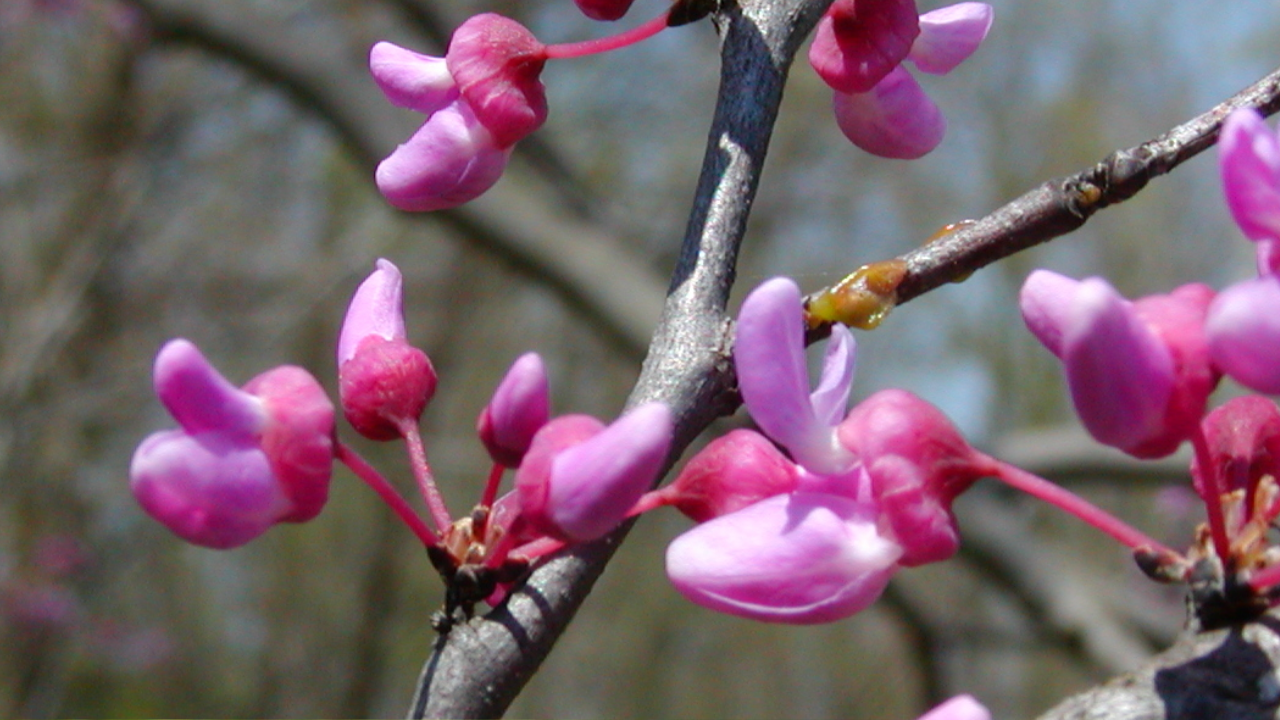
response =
{"points": [[241, 460], [384, 382]]}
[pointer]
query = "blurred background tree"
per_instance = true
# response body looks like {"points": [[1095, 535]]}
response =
{"points": [[201, 168]]}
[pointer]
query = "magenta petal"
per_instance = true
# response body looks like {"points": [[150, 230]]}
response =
{"points": [[451, 160], [199, 397], [210, 489], [375, 309], [830, 399], [606, 10], [1046, 300], [1119, 372], [411, 80], [593, 484], [1243, 330], [896, 119], [960, 707], [733, 471], [497, 62], [774, 377], [1249, 159], [857, 43], [949, 35], [298, 437], [520, 407], [801, 558]]}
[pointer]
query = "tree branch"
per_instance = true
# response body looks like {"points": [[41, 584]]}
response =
{"points": [[1060, 206]]}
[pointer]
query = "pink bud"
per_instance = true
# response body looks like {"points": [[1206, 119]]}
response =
{"points": [[949, 35], [496, 62], [732, 472], [1249, 159], [519, 408], [1243, 329], [384, 382], [918, 463], [800, 558], [579, 478], [858, 42], [242, 460], [604, 9], [960, 707]]}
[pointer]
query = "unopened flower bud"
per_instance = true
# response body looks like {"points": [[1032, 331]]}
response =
{"points": [[519, 408]]}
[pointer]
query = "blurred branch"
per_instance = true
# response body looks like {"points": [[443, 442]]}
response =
{"points": [[592, 270], [478, 668], [1060, 206]]}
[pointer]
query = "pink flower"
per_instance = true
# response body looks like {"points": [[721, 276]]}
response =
{"points": [[384, 382], [480, 99], [814, 539], [519, 408], [1139, 372], [579, 478], [1243, 439], [1243, 325], [241, 460], [858, 50]]}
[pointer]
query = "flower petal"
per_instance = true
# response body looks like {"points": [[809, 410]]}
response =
{"points": [[1120, 374], [199, 397], [452, 159], [411, 80], [1249, 159], [830, 400], [1046, 300], [774, 377], [960, 707], [896, 119], [800, 558], [857, 43], [949, 35], [1243, 330], [375, 309], [497, 62], [520, 406]]}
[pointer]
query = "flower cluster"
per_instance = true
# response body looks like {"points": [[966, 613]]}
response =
{"points": [[245, 459], [1140, 372], [485, 94]]}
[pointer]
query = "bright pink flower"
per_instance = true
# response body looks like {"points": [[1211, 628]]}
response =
{"points": [[481, 98], [1243, 330], [241, 460], [519, 408], [579, 478], [858, 49], [384, 382], [797, 558], [1139, 372], [960, 707], [917, 463]]}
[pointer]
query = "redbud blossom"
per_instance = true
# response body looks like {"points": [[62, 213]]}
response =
{"points": [[384, 382], [1139, 372], [519, 408], [815, 540], [579, 478], [481, 98], [797, 558], [241, 460], [858, 49], [1243, 325]]}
